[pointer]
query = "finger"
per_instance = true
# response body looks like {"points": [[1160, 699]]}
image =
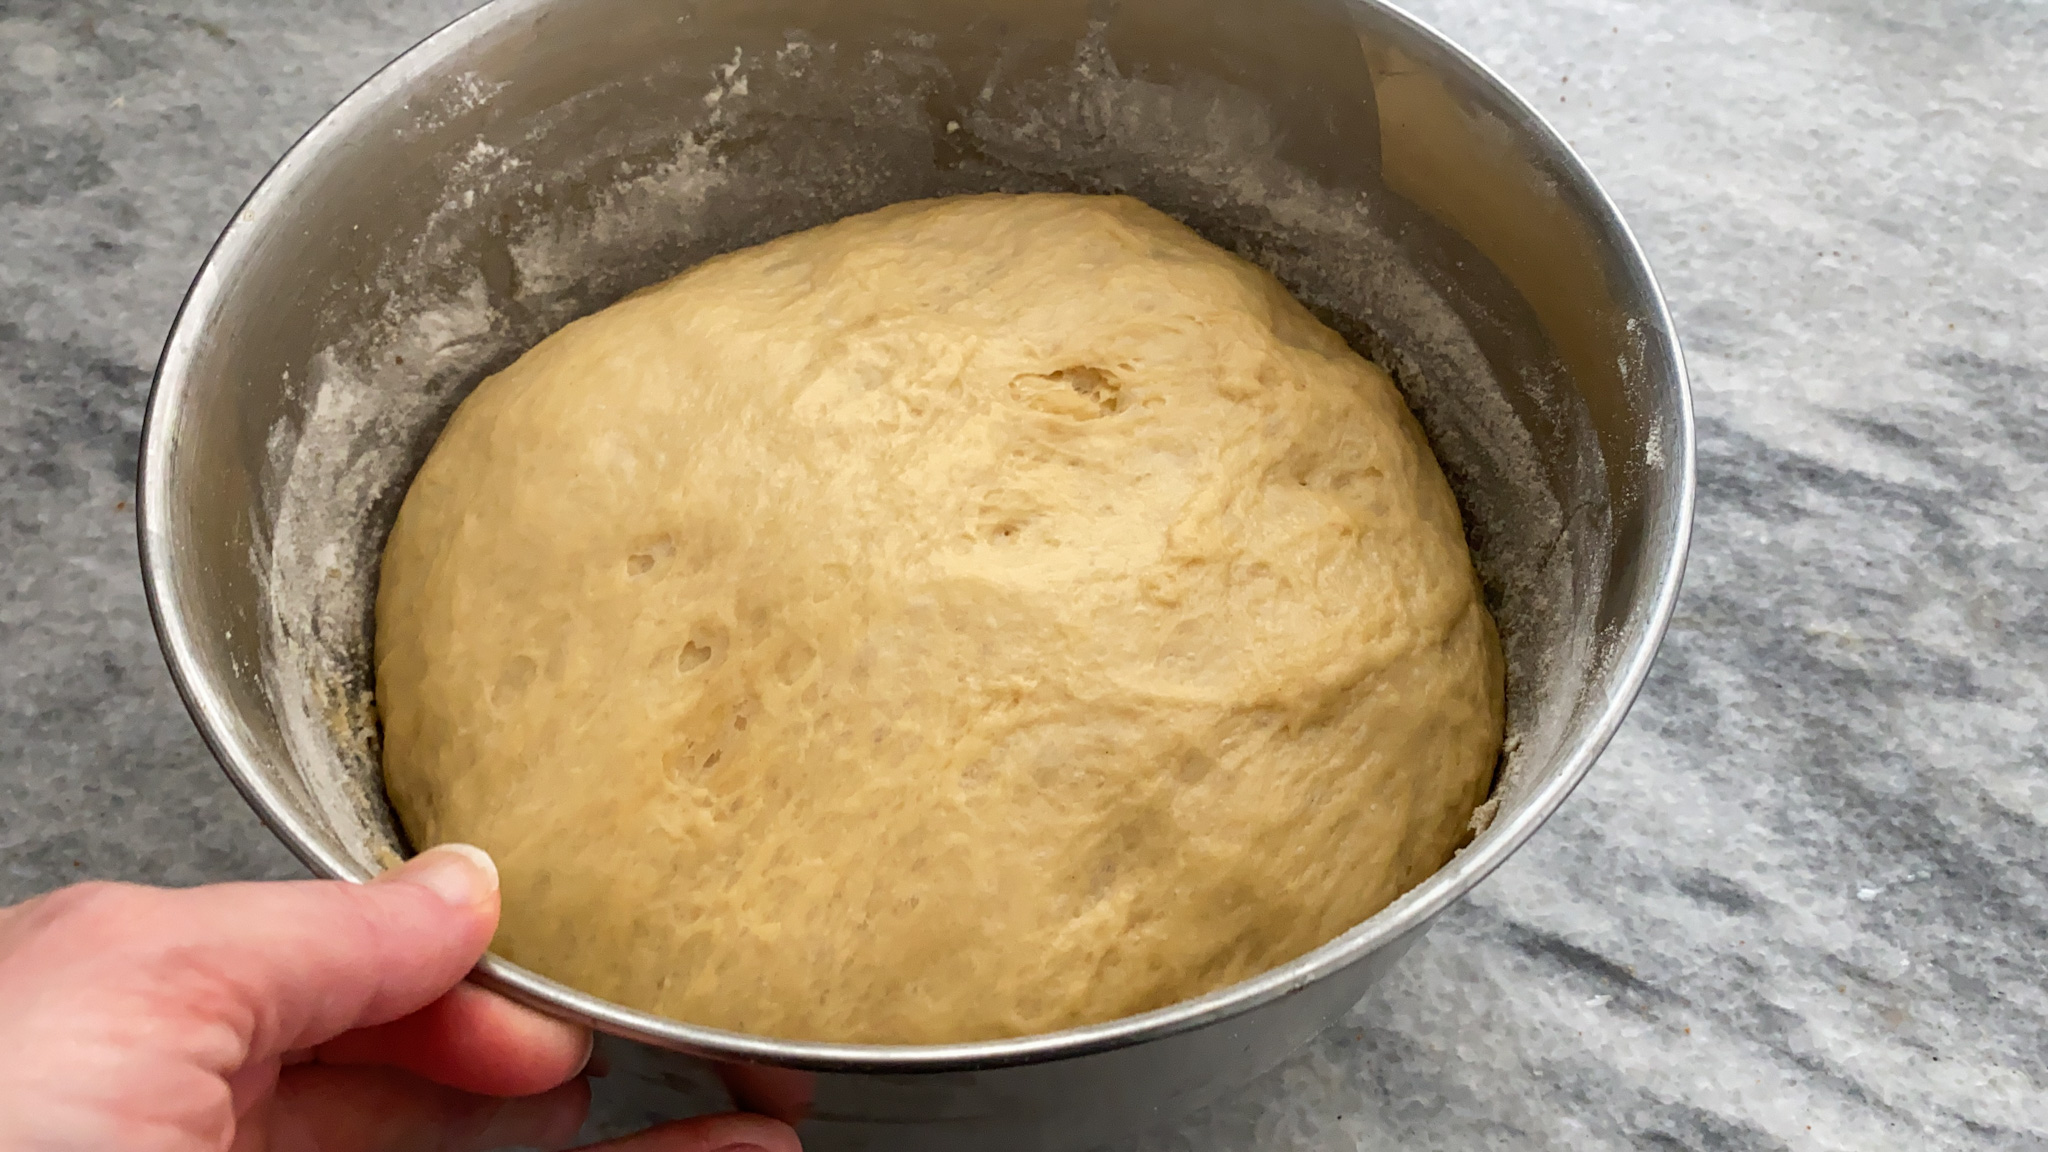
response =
{"points": [[311, 961], [239, 973], [319, 1108], [252, 1083], [784, 1093], [732, 1132], [474, 1040]]}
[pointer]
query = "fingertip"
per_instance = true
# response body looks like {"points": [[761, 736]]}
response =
{"points": [[783, 1093], [591, 1064], [462, 875], [549, 1050], [474, 855]]}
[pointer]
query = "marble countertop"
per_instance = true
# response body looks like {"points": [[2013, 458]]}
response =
{"points": [[1802, 903]]}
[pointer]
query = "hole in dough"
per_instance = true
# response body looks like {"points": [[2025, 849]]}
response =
{"points": [[1078, 391], [642, 560]]}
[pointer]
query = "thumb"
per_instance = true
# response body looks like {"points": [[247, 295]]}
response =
{"points": [[289, 966]]}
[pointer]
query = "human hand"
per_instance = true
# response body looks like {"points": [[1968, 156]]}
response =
{"points": [[314, 1016]]}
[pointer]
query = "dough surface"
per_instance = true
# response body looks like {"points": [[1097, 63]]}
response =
{"points": [[975, 618]]}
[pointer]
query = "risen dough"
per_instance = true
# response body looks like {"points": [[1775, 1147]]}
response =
{"points": [[974, 618]]}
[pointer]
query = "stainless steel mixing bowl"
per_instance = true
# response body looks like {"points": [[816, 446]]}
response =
{"points": [[538, 159]]}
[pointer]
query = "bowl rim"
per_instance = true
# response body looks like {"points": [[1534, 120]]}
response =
{"points": [[208, 700]]}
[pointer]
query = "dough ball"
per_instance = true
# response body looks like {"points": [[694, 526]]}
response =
{"points": [[975, 618]]}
